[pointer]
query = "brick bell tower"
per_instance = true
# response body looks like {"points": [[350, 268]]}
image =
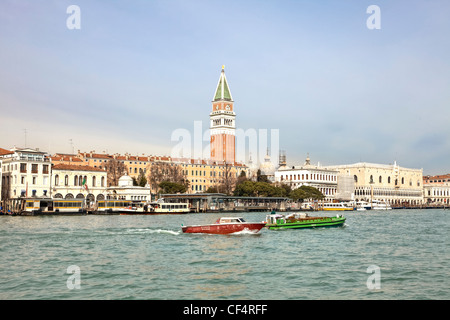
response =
{"points": [[222, 123]]}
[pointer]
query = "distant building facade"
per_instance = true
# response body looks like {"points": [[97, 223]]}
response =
{"points": [[322, 178], [125, 190], [26, 172], [203, 174], [436, 189], [80, 182], [391, 183]]}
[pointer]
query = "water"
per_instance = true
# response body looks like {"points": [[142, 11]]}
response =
{"points": [[147, 257]]}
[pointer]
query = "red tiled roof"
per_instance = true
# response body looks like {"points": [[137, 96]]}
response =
{"points": [[444, 176], [66, 158], [4, 152], [74, 167]]}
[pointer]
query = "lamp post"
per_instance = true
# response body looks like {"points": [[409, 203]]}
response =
{"points": [[371, 192]]}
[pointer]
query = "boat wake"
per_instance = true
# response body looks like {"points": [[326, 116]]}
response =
{"points": [[245, 232], [153, 231]]}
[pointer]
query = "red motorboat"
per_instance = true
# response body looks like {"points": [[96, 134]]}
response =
{"points": [[225, 225]]}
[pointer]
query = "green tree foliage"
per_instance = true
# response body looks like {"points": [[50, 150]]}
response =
{"points": [[142, 180], [306, 192], [249, 188], [212, 190], [172, 187]]}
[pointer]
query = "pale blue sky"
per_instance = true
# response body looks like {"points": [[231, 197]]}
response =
{"points": [[138, 70]]}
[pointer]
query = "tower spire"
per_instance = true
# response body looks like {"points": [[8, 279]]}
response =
{"points": [[223, 91]]}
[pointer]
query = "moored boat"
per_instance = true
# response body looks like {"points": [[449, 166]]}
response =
{"points": [[336, 206], [225, 225], [363, 206], [113, 206], [157, 208], [380, 205], [35, 206], [301, 220]]}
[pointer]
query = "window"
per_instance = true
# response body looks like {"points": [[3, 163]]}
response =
{"points": [[56, 180], [45, 169], [23, 168], [66, 180], [75, 181], [103, 182], [93, 181], [380, 180]]}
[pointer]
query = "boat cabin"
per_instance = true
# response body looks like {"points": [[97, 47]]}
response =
{"points": [[275, 218], [230, 220]]}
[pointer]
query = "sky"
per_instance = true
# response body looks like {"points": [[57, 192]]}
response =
{"points": [[136, 71]]}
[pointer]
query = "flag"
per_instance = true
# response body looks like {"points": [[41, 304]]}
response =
{"points": [[84, 184]]}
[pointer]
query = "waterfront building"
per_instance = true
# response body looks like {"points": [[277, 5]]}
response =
{"points": [[205, 174], [391, 183], [125, 190], [222, 123], [200, 173], [436, 189], [26, 172], [322, 178], [134, 164], [71, 181]]}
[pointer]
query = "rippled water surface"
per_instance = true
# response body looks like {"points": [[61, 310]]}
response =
{"points": [[147, 257]]}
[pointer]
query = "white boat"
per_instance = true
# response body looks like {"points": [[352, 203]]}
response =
{"points": [[336, 206], [363, 205], [158, 207], [380, 205], [165, 207]]}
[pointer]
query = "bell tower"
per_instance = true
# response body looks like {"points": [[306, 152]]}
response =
{"points": [[222, 123]]}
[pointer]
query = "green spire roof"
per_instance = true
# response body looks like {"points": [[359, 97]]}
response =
{"points": [[223, 91]]}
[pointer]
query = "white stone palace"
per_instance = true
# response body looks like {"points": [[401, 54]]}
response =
{"points": [[390, 183]]}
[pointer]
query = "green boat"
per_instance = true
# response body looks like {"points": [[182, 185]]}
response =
{"points": [[301, 220]]}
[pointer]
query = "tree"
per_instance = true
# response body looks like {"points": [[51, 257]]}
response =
{"points": [[228, 182], [157, 172], [242, 177], [249, 188], [245, 189], [212, 190], [261, 177], [306, 192], [172, 187], [141, 180], [264, 189], [114, 170]]}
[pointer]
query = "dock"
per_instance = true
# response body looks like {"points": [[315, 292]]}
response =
{"points": [[219, 202]]}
